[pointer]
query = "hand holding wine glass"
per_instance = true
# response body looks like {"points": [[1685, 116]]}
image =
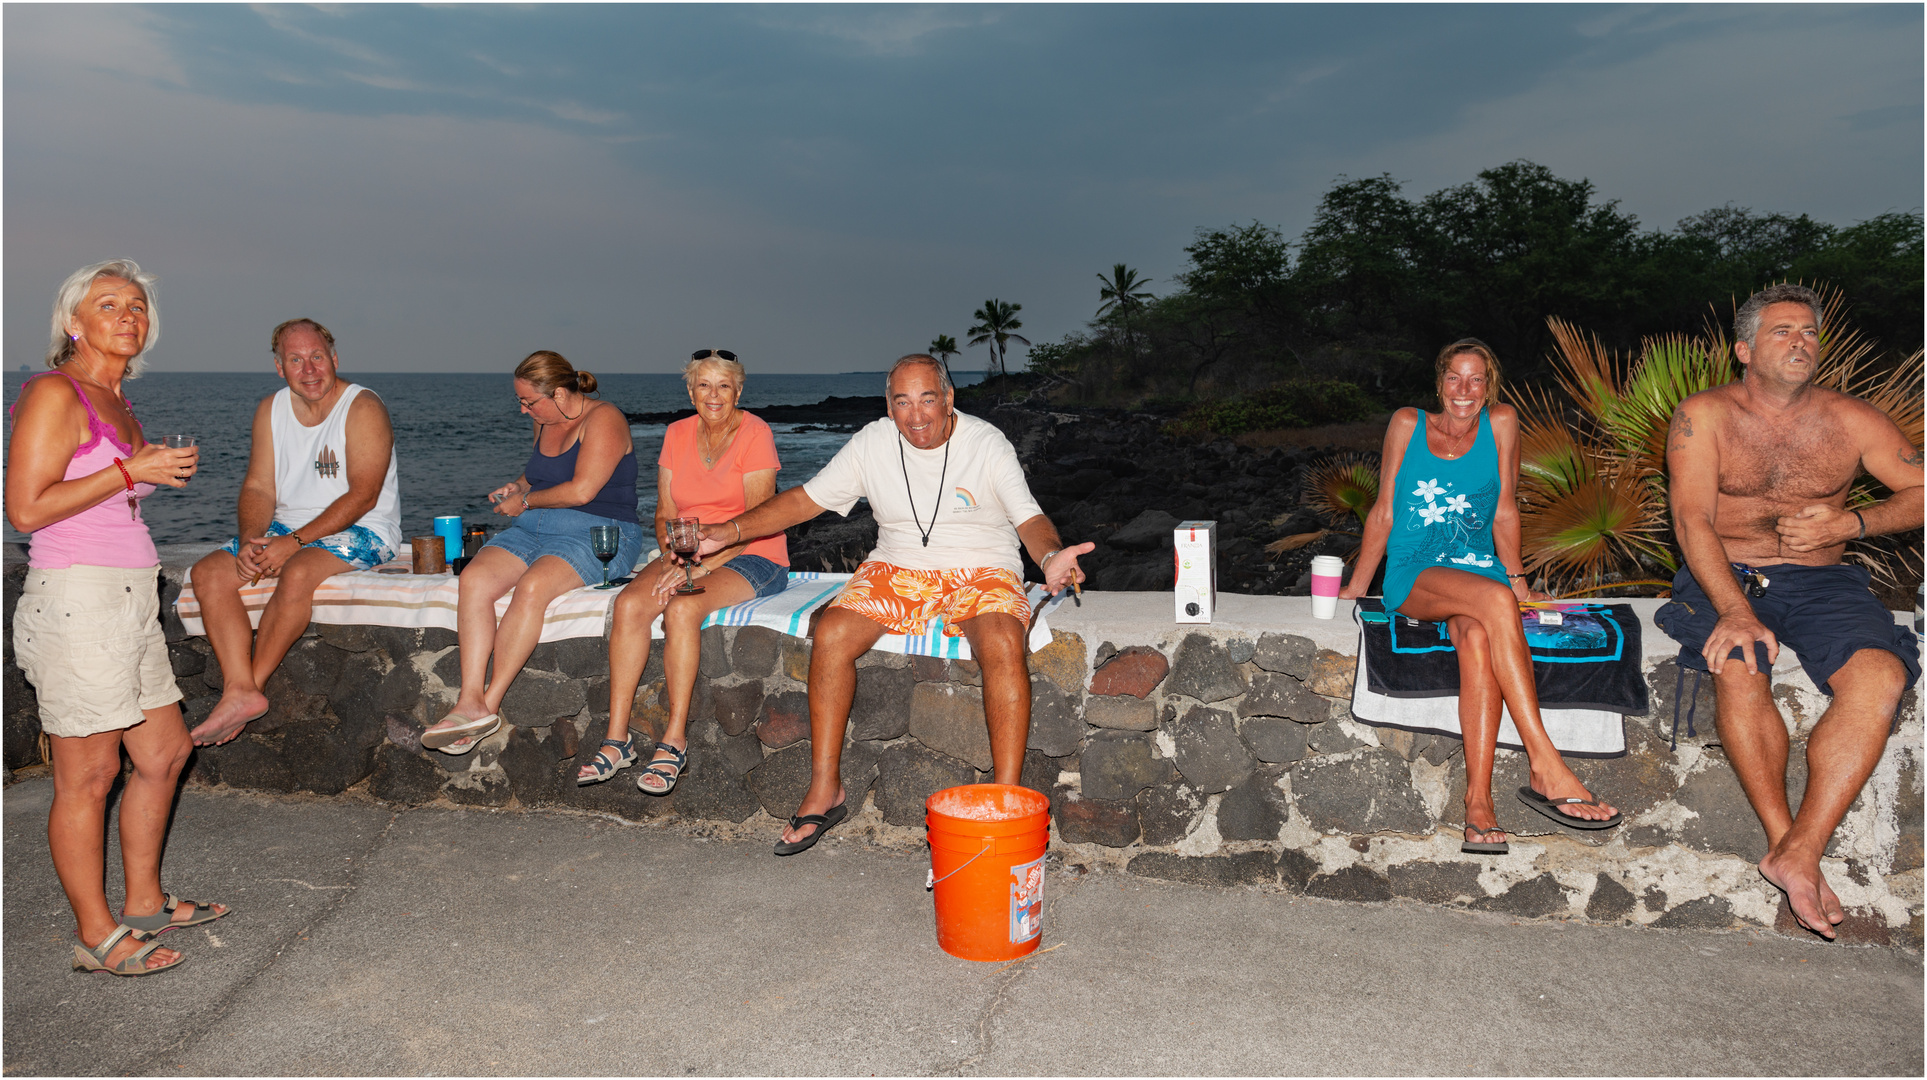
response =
{"points": [[686, 540]]}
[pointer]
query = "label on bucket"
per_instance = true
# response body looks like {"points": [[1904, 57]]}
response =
{"points": [[1027, 900]]}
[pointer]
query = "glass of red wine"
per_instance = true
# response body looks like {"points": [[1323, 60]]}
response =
{"points": [[685, 539]]}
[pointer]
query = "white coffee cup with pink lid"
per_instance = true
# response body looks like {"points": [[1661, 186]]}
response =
{"points": [[1327, 576]]}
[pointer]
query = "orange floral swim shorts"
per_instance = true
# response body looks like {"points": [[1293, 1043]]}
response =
{"points": [[904, 601]]}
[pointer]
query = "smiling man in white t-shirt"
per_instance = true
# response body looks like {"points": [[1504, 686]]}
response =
{"points": [[951, 506]]}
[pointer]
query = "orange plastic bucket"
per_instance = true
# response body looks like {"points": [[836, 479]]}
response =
{"points": [[987, 846]]}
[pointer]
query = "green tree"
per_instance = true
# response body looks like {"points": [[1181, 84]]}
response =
{"points": [[1123, 293], [996, 326], [943, 347]]}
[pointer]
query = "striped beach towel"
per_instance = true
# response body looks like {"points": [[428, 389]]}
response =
{"points": [[415, 601]]}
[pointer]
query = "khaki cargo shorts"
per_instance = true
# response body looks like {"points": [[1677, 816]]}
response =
{"points": [[89, 640]]}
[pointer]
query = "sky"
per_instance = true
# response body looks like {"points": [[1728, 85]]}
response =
{"points": [[824, 188]]}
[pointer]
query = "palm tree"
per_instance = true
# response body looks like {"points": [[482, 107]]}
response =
{"points": [[943, 347], [1123, 293], [996, 323]]}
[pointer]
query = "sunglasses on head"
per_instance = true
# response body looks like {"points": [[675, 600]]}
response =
{"points": [[721, 354]]}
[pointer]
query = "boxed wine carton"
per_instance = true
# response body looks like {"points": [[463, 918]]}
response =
{"points": [[1195, 550]]}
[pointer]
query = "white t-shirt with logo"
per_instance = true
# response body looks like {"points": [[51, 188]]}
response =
{"points": [[979, 498]]}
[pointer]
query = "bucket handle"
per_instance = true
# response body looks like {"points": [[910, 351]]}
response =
{"points": [[930, 878]]}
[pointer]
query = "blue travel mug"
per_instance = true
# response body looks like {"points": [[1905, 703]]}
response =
{"points": [[449, 528]]}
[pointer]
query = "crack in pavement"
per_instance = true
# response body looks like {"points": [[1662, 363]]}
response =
{"points": [[1007, 978], [219, 1009]]}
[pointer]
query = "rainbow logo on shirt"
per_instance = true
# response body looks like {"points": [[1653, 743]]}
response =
{"points": [[964, 496]]}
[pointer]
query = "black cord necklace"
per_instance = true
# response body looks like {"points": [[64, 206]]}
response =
{"points": [[941, 477]]}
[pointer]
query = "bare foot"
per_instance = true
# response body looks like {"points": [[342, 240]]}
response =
{"points": [[232, 713], [129, 945], [813, 803], [1564, 785], [1814, 904]]}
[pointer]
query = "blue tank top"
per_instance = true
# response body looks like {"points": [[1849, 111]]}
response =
{"points": [[616, 500], [1442, 513]]}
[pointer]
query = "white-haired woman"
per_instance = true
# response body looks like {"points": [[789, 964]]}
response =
{"points": [[714, 465], [86, 631]]}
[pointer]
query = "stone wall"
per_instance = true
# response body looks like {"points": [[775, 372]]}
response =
{"points": [[1220, 754]]}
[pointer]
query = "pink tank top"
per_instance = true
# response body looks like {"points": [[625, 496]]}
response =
{"points": [[104, 534]]}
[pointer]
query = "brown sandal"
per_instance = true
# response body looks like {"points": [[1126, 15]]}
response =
{"points": [[135, 963]]}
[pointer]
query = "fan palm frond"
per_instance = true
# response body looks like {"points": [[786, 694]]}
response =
{"points": [[1343, 487], [1602, 525]]}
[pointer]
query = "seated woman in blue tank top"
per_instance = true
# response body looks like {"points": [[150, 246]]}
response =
{"points": [[1447, 525], [581, 473]]}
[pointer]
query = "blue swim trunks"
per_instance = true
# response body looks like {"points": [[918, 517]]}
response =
{"points": [[1824, 614], [356, 545]]}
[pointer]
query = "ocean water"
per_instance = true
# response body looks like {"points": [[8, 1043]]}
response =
{"points": [[457, 437]]}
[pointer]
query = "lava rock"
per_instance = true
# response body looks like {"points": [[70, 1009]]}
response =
{"points": [[755, 651], [348, 637], [248, 762], [735, 707], [713, 789], [1282, 695], [1203, 670], [1540, 896], [1436, 883], [325, 760], [908, 774], [1331, 674], [1121, 713], [533, 773], [781, 780], [1668, 696], [1054, 726], [1240, 650], [540, 698], [1062, 661], [1209, 753], [1149, 531], [1093, 821], [715, 654], [1116, 765], [1246, 868], [1286, 654], [857, 769], [1725, 821], [480, 787], [1705, 913], [1274, 738], [1255, 809], [1332, 738], [1351, 883], [402, 777], [577, 658], [795, 656], [881, 709], [1610, 901], [1370, 793], [1167, 812], [186, 659], [1135, 671], [949, 719], [785, 720]]}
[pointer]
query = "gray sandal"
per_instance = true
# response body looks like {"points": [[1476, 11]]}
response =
{"points": [[678, 760], [135, 963], [152, 926], [606, 764]]}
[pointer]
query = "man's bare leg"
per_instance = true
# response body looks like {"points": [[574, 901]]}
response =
{"points": [[997, 641], [1842, 751], [840, 636], [217, 586]]}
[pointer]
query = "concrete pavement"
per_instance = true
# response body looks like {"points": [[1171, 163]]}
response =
{"points": [[439, 941]]}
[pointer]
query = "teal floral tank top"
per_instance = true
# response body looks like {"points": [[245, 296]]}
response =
{"points": [[1443, 512]]}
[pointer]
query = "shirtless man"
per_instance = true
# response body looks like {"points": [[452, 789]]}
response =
{"points": [[1760, 470]]}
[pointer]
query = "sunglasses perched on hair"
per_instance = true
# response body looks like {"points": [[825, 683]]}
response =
{"points": [[720, 354]]}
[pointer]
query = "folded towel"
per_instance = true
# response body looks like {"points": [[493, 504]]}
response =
{"points": [[1584, 656], [1596, 733], [385, 597]]}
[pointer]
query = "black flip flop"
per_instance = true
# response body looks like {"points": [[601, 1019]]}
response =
{"points": [[1548, 808], [1470, 847], [822, 821]]}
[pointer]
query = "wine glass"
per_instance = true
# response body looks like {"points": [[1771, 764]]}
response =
{"points": [[603, 540], [686, 539]]}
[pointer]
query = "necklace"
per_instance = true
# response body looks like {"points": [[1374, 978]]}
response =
{"points": [[1473, 432], [941, 477], [709, 456]]}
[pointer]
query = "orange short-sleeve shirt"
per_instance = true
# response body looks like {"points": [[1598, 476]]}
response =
{"points": [[716, 494]]}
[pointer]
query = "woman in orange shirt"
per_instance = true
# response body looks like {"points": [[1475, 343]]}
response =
{"points": [[714, 465]]}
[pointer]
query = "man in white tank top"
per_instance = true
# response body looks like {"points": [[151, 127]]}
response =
{"points": [[319, 499]]}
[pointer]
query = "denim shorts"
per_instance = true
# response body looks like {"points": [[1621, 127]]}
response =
{"points": [[1824, 614], [356, 545], [764, 576], [564, 533]]}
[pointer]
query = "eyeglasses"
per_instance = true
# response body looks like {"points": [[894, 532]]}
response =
{"points": [[529, 403], [721, 354]]}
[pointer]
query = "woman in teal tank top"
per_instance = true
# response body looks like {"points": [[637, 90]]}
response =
{"points": [[1447, 525]]}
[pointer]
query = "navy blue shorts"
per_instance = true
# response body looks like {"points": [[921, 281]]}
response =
{"points": [[1824, 614], [763, 575]]}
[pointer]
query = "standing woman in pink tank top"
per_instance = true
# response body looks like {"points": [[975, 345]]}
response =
{"points": [[86, 629]]}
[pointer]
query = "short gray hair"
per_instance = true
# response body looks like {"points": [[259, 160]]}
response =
{"points": [[1746, 321], [74, 290], [943, 373], [733, 367]]}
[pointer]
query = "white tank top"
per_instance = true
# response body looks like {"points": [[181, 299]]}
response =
{"points": [[311, 469]]}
